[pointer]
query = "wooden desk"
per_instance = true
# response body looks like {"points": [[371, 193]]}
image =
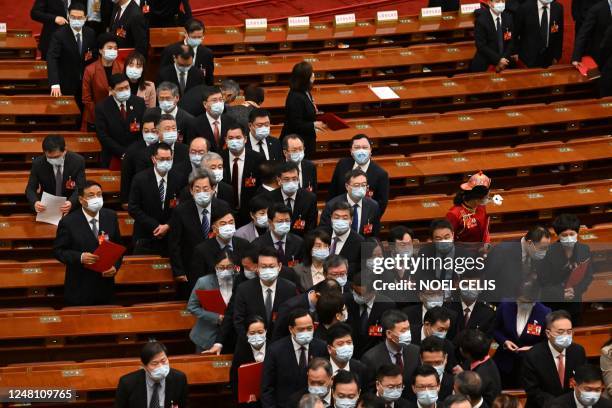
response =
{"points": [[228, 40], [23, 76], [21, 47], [40, 112], [14, 182]]}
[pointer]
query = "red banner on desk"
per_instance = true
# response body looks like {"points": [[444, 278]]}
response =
{"points": [[249, 382]]}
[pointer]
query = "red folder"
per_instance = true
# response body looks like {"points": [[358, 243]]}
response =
{"points": [[577, 274], [212, 300], [588, 68], [109, 254], [249, 382], [332, 121], [115, 163]]}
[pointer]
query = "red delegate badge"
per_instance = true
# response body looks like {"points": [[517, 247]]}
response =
{"points": [[173, 202], [102, 237], [88, 55], [375, 330], [145, 8], [367, 229], [534, 329], [250, 182], [120, 32], [299, 224], [507, 35], [554, 28], [134, 126], [70, 184]]}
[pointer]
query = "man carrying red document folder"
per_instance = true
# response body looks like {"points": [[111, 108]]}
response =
{"points": [[87, 242]]}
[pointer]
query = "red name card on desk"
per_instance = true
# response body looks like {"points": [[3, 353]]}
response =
{"points": [[212, 300], [249, 382], [109, 254], [332, 121]]}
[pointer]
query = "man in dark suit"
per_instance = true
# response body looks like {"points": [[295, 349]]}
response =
{"points": [[57, 172], [319, 381], [224, 191], [434, 353], [539, 31], [302, 203], [78, 235], [241, 167], [168, 96], [262, 296], [580, 9], [436, 323], [153, 196], [473, 313], [426, 387], [203, 56], [389, 385], [293, 150], [474, 346], [587, 391], [361, 158], [549, 365], [590, 37], [167, 13], [207, 251], [291, 354], [340, 347], [469, 383], [190, 223], [396, 349], [52, 14], [213, 124], [365, 307], [128, 24], [168, 133], [72, 48], [156, 385], [182, 72], [288, 246], [345, 241], [494, 36], [366, 212], [118, 121], [259, 139]]}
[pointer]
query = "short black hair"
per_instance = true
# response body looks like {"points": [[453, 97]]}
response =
{"points": [[341, 205], [354, 173], [469, 384], [436, 314], [151, 115], [254, 93], [233, 126], [287, 167], [557, 315], [220, 213], [455, 399], [268, 171], [105, 38], [54, 143], [285, 141], [345, 377], [77, 5], [326, 286], [425, 371], [440, 223], [210, 90], [328, 306], [258, 113], [254, 319], [361, 136], [223, 255], [184, 51], [309, 240], [300, 77], [338, 330], [278, 208], [267, 251], [388, 370], [252, 253], [370, 401], [566, 222], [392, 317], [475, 343], [193, 24], [587, 373], [88, 184], [150, 350], [259, 202], [161, 146], [536, 233], [296, 314], [116, 79], [432, 344], [397, 233]]}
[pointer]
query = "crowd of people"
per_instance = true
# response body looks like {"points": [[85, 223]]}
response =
{"points": [[235, 209]]}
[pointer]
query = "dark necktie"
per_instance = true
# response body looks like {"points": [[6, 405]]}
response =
{"points": [[399, 361], [79, 43], [500, 36], [280, 250], [235, 182], [332, 249], [122, 111], [289, 204], [302, 359], [261, 149], [544, 25], [155, 396], [117, 16], [466, 317], [205, 224], [162, 192], [94, 227], [58, 181], [364, 319], [268, 305], [355, 223], [182, 83]]}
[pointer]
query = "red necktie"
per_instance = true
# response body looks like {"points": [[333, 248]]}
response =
{"points": [[561, 370], [216, 134], [123, 112]]}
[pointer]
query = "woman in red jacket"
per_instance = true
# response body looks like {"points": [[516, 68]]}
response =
{"points": [[469, 214]]}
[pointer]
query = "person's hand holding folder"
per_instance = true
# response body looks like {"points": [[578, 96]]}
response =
{"points": [[107, 253]]}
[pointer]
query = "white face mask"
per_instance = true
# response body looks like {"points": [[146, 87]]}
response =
{"points": [[218, 173], [110, 54], [499, 7], [133, 72], [95, 204]]}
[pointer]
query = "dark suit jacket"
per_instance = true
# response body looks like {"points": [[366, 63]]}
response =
{"points": [[361, 338], [447, 5], [225, 192], [185, 125], [309, 176], [82, 286], [134, 161], [252, 160], [281, 326], [481, 318], [203, 129], [167, 73], [485, 33], [243, 354], [567, 401], [589, 38], [180, 163], [554, 272], [491, 381], [370, 214], [415, 317], [204, 61], [540, 377], [531, 45], [300, 115], [45, 11], [130, 29], [304, 209], [275, 150], [113, 132], [293, 246], [42, 177], [144, 203], [249, 301], [502, 264], [276, 385], [505, 329], [132, 390], [186, 233], [65, 64], [351, 250], [205, 253], [580, 8], [193, 100], [379, 355], [378, 182]]}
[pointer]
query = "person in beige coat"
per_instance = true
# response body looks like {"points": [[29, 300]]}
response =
{"points": [[134, 70]]}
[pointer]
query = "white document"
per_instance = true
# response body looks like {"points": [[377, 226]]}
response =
{"points": [[53, 214], [384, 92]]}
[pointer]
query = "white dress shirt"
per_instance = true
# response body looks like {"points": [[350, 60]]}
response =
{"points": [[178, 76], [363, 167], [578, 404], [359, 210], [522, 317], [260, 354], [225, 287], [255, 146], [211, 121], [122, 9], [300, 179], [335, 368], [240, 168], [341, 240]]}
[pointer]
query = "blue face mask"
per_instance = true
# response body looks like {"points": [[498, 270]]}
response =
{"points": [[290, 187], [360, 300], [223, 274], [262, 132], [202, 198], [170, 137], [195, 159], [160, 372], [405, 337], [164, 166], [345, 402], [361, 156], [303, 338], [282, 228], [589, 398], [469, 294], [296, 157], [194, 42], [150, 138], [440, 369], [256, 340], [358, 192], [235, 145], [133, 72], [76, 24], [344, 353], [563, 340], [392, 394], [227, 231], [431, 303], [569, 241], [268, 274], [320, 254], [440, 335], [340, 226], [342, 280], [122, 96], [166, 106], [318, 390], [182, 68], [427, 397], [217, 108]]}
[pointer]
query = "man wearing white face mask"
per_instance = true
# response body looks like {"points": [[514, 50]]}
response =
{"points": [[587, 391], [433, 353], [224, 191], [287, 245], [155, 385], [549, 365], [303, 204], [259, 135], [494, 35], [153, 196], [293, 150], [213, 123], [390, 386], [340, 349], [197, 149], [366, 212], [429, 299], [118, 121], [78, 235], [168, 98], [344, 241], [167, 129], [182, 73]]}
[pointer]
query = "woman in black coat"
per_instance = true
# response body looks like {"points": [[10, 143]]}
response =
{"points": [[300, 109]]}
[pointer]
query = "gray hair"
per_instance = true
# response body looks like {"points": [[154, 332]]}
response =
{"points": [[309, 401], [334, 261], [210, 156], [319, 362], [231, 86], [198, 174], [469, 384], [455, 399], [168, 86]]}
